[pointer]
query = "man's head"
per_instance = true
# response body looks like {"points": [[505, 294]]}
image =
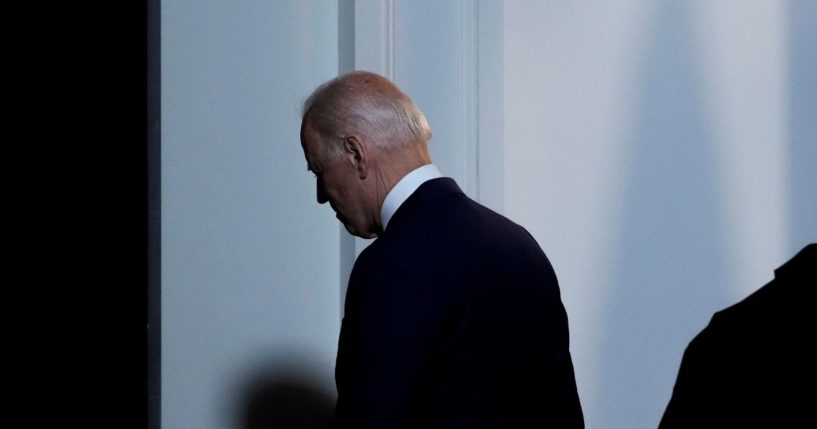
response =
{"points": [[360, 135]]}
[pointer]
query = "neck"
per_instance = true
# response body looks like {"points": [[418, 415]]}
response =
{"points": [[396, 165]]}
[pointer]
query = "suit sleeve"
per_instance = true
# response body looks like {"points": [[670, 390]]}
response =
{"points": [[387, 344]]}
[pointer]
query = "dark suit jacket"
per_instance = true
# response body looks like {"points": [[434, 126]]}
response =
{"points": [[453, 319], [752, 366]]}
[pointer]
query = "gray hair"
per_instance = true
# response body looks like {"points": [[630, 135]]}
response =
{"points": [[366, 102]]}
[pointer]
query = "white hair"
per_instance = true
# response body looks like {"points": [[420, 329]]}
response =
{"points": [[366, 102]]}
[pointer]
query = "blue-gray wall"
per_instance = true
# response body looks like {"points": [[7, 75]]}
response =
{"points": [[662, 153], [250, 265]]}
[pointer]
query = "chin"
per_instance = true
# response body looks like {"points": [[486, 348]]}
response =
{"points": [[364, 234]]}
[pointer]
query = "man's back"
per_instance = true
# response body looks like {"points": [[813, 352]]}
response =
{"points": [[453, 319]]}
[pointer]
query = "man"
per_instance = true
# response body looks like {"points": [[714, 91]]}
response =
{"points": [[453, 317], [749, 367]]}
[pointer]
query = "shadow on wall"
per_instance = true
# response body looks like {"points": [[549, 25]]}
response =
{"points": [[669, 270], [284, 396]]}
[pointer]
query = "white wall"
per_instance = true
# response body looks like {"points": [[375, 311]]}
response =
{"points": [[648, 148], [250, 261], [661, 152]]}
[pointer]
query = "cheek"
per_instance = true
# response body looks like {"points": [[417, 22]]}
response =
{"points": [[337, 193], [340, 195]]}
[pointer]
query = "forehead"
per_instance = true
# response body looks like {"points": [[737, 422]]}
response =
{"points": [[310, 143]]}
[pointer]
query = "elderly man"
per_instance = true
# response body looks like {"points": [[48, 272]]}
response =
{"points": [[453, 316]]}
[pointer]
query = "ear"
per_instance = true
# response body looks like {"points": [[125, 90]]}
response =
{"points": [[355, 152]]}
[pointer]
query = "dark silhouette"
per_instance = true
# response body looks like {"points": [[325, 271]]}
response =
{"points": [[752, 365]]}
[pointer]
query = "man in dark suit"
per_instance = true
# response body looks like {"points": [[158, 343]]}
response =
{"points": [[453, 317], [752, 365]]}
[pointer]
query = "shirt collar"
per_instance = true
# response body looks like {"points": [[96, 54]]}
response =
{"points": [[404, 188]]}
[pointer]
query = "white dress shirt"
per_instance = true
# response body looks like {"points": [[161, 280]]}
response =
{"points": [[404, 188]]}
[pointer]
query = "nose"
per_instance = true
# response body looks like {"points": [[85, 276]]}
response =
{"points": [[322, 198]]}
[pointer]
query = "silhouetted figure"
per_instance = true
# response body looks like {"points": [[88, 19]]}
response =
{"points": [[752, 366]]}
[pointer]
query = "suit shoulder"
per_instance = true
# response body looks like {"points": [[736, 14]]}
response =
{"points": [[781, 299]]}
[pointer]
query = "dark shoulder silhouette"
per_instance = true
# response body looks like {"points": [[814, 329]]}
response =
{"points": [[751, 366]]}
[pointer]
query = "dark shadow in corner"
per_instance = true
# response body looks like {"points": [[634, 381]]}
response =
{"points": [[279, 397]]}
